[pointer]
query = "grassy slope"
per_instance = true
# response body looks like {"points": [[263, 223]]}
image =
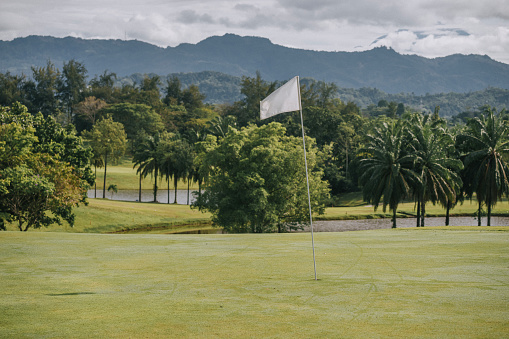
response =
{"points": [[425, 283], [106, 216]]}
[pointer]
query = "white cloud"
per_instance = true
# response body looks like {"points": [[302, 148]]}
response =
{"points": [[426, 27]]}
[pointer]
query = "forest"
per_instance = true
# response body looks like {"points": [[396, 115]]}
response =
{"points": [[391, 151]]}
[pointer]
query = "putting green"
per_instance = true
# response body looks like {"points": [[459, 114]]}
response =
{"points": [[385, 283]]}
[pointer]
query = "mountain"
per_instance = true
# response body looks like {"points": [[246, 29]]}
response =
{"points": [[380, 68]]}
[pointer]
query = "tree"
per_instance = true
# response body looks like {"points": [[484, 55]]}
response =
{"points": [[44, 170], [484, 143], [42, 91], [387, 171], [72, 85], [147, 157], [108, 140], [256, 180], [428, 143], [135, 117], [248, 109], [176, 160], [102, 87], [113, 189], [88, 112]]}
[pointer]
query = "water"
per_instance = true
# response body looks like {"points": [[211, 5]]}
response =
{"points": [[368, 224], [146, 196]]}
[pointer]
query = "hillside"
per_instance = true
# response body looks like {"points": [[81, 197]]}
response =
{"points": [[233, 55]]}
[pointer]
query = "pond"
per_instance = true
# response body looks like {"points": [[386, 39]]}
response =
{"points": [[368, 224], [146, 196]]}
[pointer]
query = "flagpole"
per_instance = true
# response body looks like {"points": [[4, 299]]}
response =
{"points": [[307, 180]]}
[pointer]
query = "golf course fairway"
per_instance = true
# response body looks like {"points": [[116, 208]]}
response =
{"points": [[391, 283]]}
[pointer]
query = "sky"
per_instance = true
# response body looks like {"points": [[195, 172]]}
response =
{"points": [[430, 28]]}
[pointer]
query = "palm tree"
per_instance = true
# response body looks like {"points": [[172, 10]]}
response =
{"points": [[147, 158], [176, 160], [484, 143], [113, 189], [436, 170], [196, 139], [387, 172]]}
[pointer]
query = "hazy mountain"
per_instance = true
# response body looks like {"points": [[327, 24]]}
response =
{"points": [[233, 55]]}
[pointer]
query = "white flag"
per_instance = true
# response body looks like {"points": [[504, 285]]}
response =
{"points": [[285, 99]]}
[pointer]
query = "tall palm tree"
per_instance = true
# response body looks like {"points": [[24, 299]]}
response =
{"points": [[147, 158], [387, 171], [176, 160], [484, 143], [436, 170]]}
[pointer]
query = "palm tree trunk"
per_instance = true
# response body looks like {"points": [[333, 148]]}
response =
{"points": [[394, 218], [479, 214], [139, 192], [105, 166], [447, 213], [488, 222], [175, 179], [418, 212], [155, 185], [423, 212], [95, 181], [188, 184], [168, 181]]}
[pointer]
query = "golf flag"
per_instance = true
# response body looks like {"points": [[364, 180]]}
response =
{"points": [[285, 99]]}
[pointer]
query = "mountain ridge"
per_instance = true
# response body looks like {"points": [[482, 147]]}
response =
{"points": [[380, 67]]}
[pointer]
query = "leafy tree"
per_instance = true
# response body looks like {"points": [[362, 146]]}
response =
{"points": [[72, 86], [108, 140], [256, 180], [386, 170], [43, 170], [42, 91], [11, 89], [135, 117], [484, 143], [102, 87], [173, 91], [254, 90]]}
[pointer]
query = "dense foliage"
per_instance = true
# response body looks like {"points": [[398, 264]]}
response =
{"points": [[392, 151], [256, 180], [44, 170]]}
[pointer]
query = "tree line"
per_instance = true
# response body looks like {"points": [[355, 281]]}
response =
{"points": [[246, 168]]}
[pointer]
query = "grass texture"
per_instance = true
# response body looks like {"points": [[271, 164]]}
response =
{"points": [[420, 283], [112, 216]]}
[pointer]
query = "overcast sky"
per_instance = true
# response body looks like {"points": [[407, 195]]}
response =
{"points": [[430, 28]]}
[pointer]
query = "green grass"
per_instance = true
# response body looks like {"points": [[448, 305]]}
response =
{"points": [[109, 216], [420, 283]]}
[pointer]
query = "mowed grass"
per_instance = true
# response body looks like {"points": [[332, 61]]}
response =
{"points": [[110, 216], [425, 283]]}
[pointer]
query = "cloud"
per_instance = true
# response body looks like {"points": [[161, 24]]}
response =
{"points": [[425, 27]]}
